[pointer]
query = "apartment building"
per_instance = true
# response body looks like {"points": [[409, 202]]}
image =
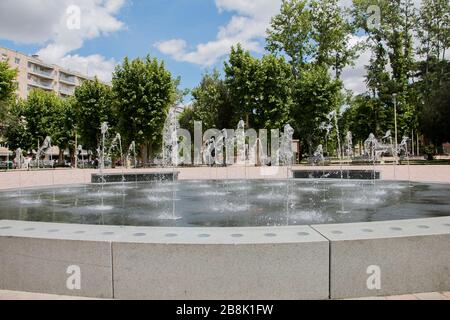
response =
{"points": [[34, 73]]}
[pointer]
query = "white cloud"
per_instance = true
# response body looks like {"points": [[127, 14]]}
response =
{"points": [[45, 22], [248, 27], [174, 47], [354, 76]]}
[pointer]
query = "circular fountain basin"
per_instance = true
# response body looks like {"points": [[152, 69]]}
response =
{"points": [[228, 203]]}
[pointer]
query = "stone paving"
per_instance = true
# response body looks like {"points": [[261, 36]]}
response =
{"points": [[15, 295]]}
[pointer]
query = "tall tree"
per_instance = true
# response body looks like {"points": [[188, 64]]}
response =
{"points": [[391, 39], [143, 91], [260, 89], [62, 126], [315, 95], [332, 32], [92, 106], [241, 72], [7, 87], [211, 104], [39, 113], [290, 32], [16, 129]]}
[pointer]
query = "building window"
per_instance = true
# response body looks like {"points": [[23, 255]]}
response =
{"points": [[17, 60]]}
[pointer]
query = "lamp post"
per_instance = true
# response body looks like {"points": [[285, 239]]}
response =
{"points": [[394, 97]]}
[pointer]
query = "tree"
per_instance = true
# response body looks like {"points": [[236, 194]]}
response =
{"points": [[315, 96], [290, 32], [332, 33], [260, 89], [62, 126], [241, 72], [92, 106], [275, 95], [143, 92], [433, 29], [391, 43], [7, 87], [7, 77], [39, 112], [211, 103], [16, 132], [435, 115]]}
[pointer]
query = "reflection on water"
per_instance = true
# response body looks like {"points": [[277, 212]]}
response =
{"points": [[228, 203]]}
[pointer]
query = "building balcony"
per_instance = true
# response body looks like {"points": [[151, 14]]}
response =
{"points": [[41, 73], [40, 84], [68, 80]]}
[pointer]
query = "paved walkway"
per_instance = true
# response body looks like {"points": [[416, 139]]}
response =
{"points": [[15, 295], [24, 179]]}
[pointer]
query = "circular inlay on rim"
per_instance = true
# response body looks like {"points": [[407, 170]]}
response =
{"points": [[237, 235], [5, 228], [171, 235], [108, 233], [270, 235], [336, 232], [53, 230], [367, 230], [423, 227], [303, 234], [80, 232], [204, 235], [140, 234], [396, 229], [29, 229]]}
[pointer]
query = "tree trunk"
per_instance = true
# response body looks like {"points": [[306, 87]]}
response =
{"points": [[144, 153], [150, 151], [61, 156]]}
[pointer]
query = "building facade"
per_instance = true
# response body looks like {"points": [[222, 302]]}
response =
{"points": [[34, 73]]}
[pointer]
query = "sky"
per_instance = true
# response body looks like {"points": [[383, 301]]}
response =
{"points": [[191, 36]]}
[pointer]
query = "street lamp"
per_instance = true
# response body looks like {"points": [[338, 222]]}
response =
{"points": [[394, 97]]}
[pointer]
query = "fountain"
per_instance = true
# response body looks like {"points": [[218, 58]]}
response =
{"points": [[103, 129], [132, 151], [318, 156], [46, 145], [318, 212], [19, 158]]}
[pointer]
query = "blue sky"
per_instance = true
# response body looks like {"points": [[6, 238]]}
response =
{"points": [[189, 35]]}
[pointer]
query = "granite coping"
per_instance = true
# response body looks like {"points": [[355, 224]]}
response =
{"points": [[227, 235], [384, 229], [160, 235]]}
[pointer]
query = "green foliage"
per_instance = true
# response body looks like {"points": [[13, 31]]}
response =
{"points": [[435, 115], [290, 32], [92, 106], [63, 123], [143, 93], [7, 77], [7, 88], [331, 33], [260, 89], [43, 114], [211, 103], [16, 132], [315, 96], [40, 111]]}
